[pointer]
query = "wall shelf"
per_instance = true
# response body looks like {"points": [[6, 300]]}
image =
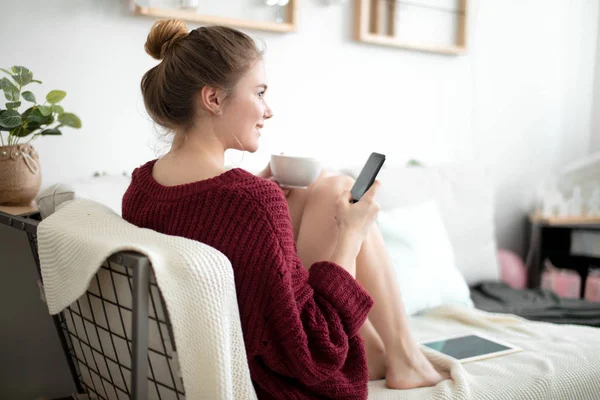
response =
{"points": [[375, 23], [288, 26]]}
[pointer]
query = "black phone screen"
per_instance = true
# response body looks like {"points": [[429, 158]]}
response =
{"points": [[367, 176]]}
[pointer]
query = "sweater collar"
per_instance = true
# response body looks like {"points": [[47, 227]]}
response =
{"points": [[143, 179]]}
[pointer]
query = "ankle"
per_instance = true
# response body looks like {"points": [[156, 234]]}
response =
{"points": [[405, 353], [405, 343]]}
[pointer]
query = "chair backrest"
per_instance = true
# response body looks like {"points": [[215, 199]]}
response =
{"points": [[103, 333], [99, 326]]}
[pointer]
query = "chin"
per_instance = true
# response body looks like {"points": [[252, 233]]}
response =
{"points": [[251, 146]]}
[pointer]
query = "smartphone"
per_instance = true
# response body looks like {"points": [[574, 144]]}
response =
{"points": [[367, 176]]}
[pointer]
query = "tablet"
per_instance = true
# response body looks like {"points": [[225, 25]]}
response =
{"points": [[471, 347]]}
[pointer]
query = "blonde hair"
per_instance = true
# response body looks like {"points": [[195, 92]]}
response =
{"points": [[215, 56]]}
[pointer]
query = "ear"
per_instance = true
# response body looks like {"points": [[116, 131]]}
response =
{"points": [[210, 99]]}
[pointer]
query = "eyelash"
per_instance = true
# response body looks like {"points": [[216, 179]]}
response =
{"points": [[261, 94]]}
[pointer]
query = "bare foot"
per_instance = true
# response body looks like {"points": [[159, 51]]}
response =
{"points": [[411, 371]]}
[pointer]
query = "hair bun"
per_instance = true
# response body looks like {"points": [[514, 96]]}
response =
{"points": [[163, 34]]}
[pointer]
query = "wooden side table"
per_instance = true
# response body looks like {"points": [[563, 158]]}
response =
{"points": [[550, 237]]}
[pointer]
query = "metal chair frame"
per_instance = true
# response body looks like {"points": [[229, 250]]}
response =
{"points": [[145, 296]]}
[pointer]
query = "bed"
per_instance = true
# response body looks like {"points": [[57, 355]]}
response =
{"points": [[557, 361]]}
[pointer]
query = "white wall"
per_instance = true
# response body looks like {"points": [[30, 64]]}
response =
{"points": [[595, 132], [520, 101]]}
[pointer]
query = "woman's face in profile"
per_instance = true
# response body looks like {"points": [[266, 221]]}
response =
{"points": [[246, 110]]}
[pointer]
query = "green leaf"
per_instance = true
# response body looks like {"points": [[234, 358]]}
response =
{"points": [[10, 119], [45, 110], [55, 96], [13, 105], [11, 92], [31, 126], [5, 71], [34, 117], [28, 111], [1, 127], [5, 83], [11, 95], [52, 131], [69, 119], [57, 109], [28, 96], [36, 81], [22, 75], [21, 131]]}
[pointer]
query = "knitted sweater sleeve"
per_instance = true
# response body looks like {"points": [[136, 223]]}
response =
{"points": [[305, 318]]}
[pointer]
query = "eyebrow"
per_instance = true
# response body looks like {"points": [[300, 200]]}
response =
{"points": [[262, 85]]}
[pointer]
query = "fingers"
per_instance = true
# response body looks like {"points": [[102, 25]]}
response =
{"points": [[345, 197], [266, 172], [370, 194]]}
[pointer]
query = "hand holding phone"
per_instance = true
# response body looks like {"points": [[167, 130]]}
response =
{"points": [[367, 176]]}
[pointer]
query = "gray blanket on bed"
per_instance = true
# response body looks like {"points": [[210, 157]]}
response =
{"points": [[534, 304]]}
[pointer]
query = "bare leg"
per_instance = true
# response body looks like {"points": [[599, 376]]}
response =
{"points": [[316, 233], [407, 367], [388, 340]]}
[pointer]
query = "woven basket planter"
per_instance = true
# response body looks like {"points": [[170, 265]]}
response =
{"points": [[20, 176]]}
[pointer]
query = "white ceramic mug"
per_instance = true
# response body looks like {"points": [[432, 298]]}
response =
{"points": [[295, 172]]}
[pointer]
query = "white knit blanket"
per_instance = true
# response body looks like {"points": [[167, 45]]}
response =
{"points": [[558, 362], [196, 281]]}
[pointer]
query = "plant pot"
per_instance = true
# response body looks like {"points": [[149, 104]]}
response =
{"points": [[20, 176]]}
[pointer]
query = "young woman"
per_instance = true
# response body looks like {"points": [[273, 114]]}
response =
{"points": [[319, 309]]}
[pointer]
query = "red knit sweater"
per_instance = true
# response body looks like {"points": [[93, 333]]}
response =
{"points": [[300, 327]]}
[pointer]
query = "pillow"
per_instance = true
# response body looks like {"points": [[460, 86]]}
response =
{"points": [[105, 189], [49, 199], [422, 258]]}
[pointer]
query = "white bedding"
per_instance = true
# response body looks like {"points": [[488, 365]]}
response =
{"points": [[557, 361]]}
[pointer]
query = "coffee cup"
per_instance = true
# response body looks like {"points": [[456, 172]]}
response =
{"points": [[294, 171]]}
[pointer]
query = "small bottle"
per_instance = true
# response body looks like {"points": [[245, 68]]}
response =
{"points": [[280, 9], [188, 4], [593, 204], [575, 204]]}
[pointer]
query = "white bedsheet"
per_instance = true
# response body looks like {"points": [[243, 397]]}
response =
{"points": [[557, 361]]}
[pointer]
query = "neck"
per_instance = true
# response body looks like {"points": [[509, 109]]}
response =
{"points": [[199, 144]]}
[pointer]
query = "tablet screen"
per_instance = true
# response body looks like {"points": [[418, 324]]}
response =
{"points": [[467, 347]]}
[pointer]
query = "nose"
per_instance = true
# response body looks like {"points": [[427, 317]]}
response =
{"points": [[268, 112]]}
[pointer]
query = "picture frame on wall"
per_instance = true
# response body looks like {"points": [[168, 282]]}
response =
{"points": [[432, 26], [266, 15]]}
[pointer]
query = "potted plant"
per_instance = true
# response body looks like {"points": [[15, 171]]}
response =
{"points": [[20, 175]]}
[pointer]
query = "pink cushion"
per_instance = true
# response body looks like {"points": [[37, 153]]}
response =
{"points": [[592, 287], [512, 269], [563, 282]]}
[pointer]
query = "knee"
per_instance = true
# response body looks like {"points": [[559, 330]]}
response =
{"points": [[332, 186]]}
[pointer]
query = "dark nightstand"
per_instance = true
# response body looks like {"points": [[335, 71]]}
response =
{"points": [[550, 238]]}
